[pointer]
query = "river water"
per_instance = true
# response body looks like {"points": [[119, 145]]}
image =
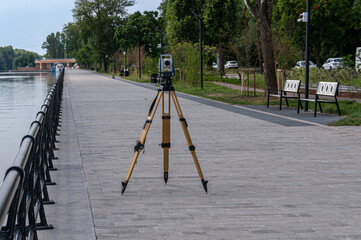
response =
{"points": [[21, 96]]}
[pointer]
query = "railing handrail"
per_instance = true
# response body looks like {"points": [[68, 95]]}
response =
{"points": [[24, 190]]}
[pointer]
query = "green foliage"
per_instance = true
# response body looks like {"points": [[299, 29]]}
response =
{"points": [[181, 24], [345, 76], [186, 57], [244, 42], [85, 55], [98, 20], [347, 61], [220, 19], [151, 65], [71, 39], [54, 46], [24, 58], [11, 59], [143, 27], [209, 56], [7, 55], [335, 27]]}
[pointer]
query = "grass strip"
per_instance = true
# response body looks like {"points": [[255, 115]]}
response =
{"points": [[351, 110]]}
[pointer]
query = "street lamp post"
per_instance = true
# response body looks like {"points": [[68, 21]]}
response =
{"points": [[305, 17], [140, 74], [140, 67], [125, 57], [161, 39], [307, 53], [200, 43], [114, 69]]}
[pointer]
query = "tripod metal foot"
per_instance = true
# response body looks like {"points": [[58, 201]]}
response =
{"points": [[204, 183], [165, 177], [124, 186]]}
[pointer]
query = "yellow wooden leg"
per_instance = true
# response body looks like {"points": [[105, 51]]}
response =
{"points": [[188, 138], [140, 143], [166, 138]]}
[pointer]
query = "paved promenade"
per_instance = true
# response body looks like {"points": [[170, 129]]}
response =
{"points": [[270, 176]]}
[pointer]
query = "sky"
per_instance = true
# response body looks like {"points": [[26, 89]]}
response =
{"points": [[24, 24]]}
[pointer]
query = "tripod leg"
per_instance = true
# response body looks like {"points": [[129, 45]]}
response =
{"points": [[140, 143], [188, 138], [166, 137]]}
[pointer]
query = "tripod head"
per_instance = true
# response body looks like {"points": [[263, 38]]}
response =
{"points": [[166, 71], [166, 84]]}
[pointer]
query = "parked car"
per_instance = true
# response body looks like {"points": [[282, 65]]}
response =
{"points": [[214, 66], [332, 63], [300, 64], [231, 64]]}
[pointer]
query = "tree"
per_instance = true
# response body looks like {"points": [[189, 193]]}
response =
{"points": [[181, 25], [24, 58], [333, 29], [98, 20], [71, 39], [84, 55], [220, 18], [2, 62], [262, 12], [244, 41], [7, 55], [163, 8], [11, 59], [335, 26], [142, 26], [54, 46]]}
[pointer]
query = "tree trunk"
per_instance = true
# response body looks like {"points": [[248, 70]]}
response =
{"points": [[263, 16], [259, 49], [316, 52], [104, 63], [267, 45], [221, 57]]}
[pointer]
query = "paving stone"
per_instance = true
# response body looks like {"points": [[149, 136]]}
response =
{"points": [[270, 177]]}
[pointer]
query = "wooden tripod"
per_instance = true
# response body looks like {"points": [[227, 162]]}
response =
{"points": [[165, 87]]}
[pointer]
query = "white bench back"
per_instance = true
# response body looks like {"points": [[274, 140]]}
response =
{"points": [[292, 86], [327, 88]]}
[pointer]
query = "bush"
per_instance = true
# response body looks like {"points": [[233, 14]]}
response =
{"points": [[345, 76], [186, 57], [150, 65]]}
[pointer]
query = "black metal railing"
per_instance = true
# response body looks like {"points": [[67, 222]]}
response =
{"points": [[24, 190]]}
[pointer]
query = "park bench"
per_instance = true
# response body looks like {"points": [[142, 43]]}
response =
{"points": [[291, 87], [324, 89]]}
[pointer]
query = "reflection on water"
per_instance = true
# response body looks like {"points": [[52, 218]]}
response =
{"points": [[21, 96]]}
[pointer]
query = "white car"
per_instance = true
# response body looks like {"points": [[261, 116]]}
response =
{"points": [[300, 64], [231, 64], [214, 65], [332, 63]]}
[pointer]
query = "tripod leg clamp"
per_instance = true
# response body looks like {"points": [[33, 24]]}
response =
{"points": [[192, 148], [165, 145], [147, 121], [138, 147], [183, 120]]}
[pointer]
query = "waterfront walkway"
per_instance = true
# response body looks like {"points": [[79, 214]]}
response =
{"points": [[270, 176]]}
